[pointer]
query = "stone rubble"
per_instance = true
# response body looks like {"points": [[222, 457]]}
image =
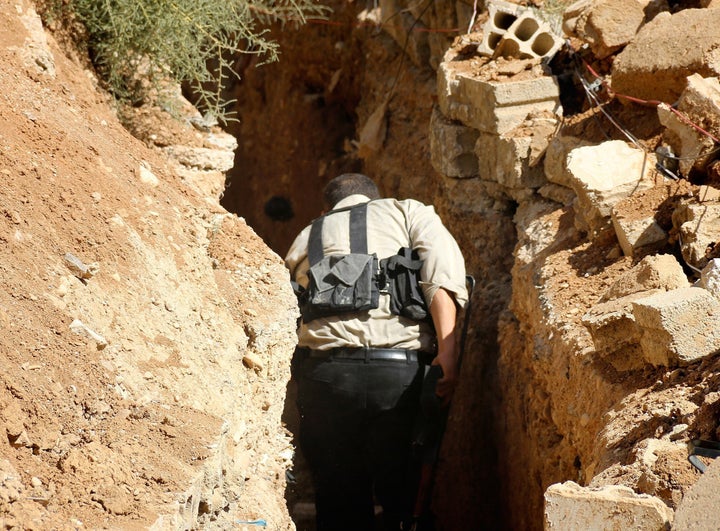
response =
{"points": [[570, 506], [652, 316]]}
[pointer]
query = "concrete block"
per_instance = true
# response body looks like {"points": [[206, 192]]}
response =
{"points": [[700, 103], [506, 161], [615, 333], [698, 225], [570, 506], [491, 106], [661, 271], [556, 158], [635, 234], [635, 221], [655, 65], [501, 15], [452, 146], [679, 326], [605, 174], [559, 194], [698, 508], [710, 277], [528, 38]]}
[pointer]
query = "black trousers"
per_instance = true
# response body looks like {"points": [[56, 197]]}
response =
{"points": [[356, 422]]}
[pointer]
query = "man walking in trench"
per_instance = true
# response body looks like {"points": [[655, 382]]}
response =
{"points": [[367, 272]]}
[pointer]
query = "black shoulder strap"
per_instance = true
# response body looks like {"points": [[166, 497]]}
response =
{"points": [[358, 233]]}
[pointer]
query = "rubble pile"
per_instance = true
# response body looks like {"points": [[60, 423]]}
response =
{"points": [[634, 211]]}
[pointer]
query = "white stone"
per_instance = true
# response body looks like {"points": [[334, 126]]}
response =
{"points": [[615, 333], [605, 174], [678, 326], [147, 176], [634, 234], [568, 506], [710, 277], [493, 107], [660, 271], [698, 226]]}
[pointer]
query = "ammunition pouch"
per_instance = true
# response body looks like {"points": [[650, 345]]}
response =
{"points": [[339, 284]]}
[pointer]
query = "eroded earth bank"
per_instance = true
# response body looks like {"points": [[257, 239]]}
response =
{"points": [[147, 329]]}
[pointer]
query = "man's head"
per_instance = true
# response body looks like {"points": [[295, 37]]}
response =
{"points": [[349, 184]]}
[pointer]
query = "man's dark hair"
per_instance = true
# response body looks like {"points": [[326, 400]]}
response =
{"points": [[348, 184]]}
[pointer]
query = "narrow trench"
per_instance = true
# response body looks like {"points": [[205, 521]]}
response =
{"points": [[294, 135]]}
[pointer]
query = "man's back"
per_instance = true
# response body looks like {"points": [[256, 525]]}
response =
{"points": [[391, 225]]}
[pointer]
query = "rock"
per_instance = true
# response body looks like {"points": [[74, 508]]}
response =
{"points": [[253, 362], [661, 272], [606, 25], [570, 506], [80, 328], [655, 65], [679, 326], [202, 158], [78, 268], [452, 147], [147, 176], [490, 106], [698, 226], [710, 277], [615, 333], [559, 194], [605, 174], [696, 510], [700, 104], [506, 161], [636, 221], [556, 156]]}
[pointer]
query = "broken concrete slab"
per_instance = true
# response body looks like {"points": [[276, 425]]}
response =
{"points": [[452, 147], [678, 326], [506, 160], [655, 65], [698, 227], [603, 175], [556, 158], [615, 333], [700, 104], [661, 271], [570, 506], [606, 25], [710, 277], [495, 107], [697, 510], [637, 221]]}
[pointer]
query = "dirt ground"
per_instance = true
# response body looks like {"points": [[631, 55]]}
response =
{"points": [[150, 391]]}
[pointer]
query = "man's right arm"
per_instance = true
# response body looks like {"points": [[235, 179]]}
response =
{"points": [[444, 313]]}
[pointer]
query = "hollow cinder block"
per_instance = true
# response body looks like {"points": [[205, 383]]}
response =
{"points": [[528, 38], [501, 16]]}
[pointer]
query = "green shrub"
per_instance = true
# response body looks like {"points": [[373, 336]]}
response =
{"points": [[138, 45]]}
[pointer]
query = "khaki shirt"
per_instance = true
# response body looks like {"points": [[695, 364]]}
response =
{"points": [[391, 224]]}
